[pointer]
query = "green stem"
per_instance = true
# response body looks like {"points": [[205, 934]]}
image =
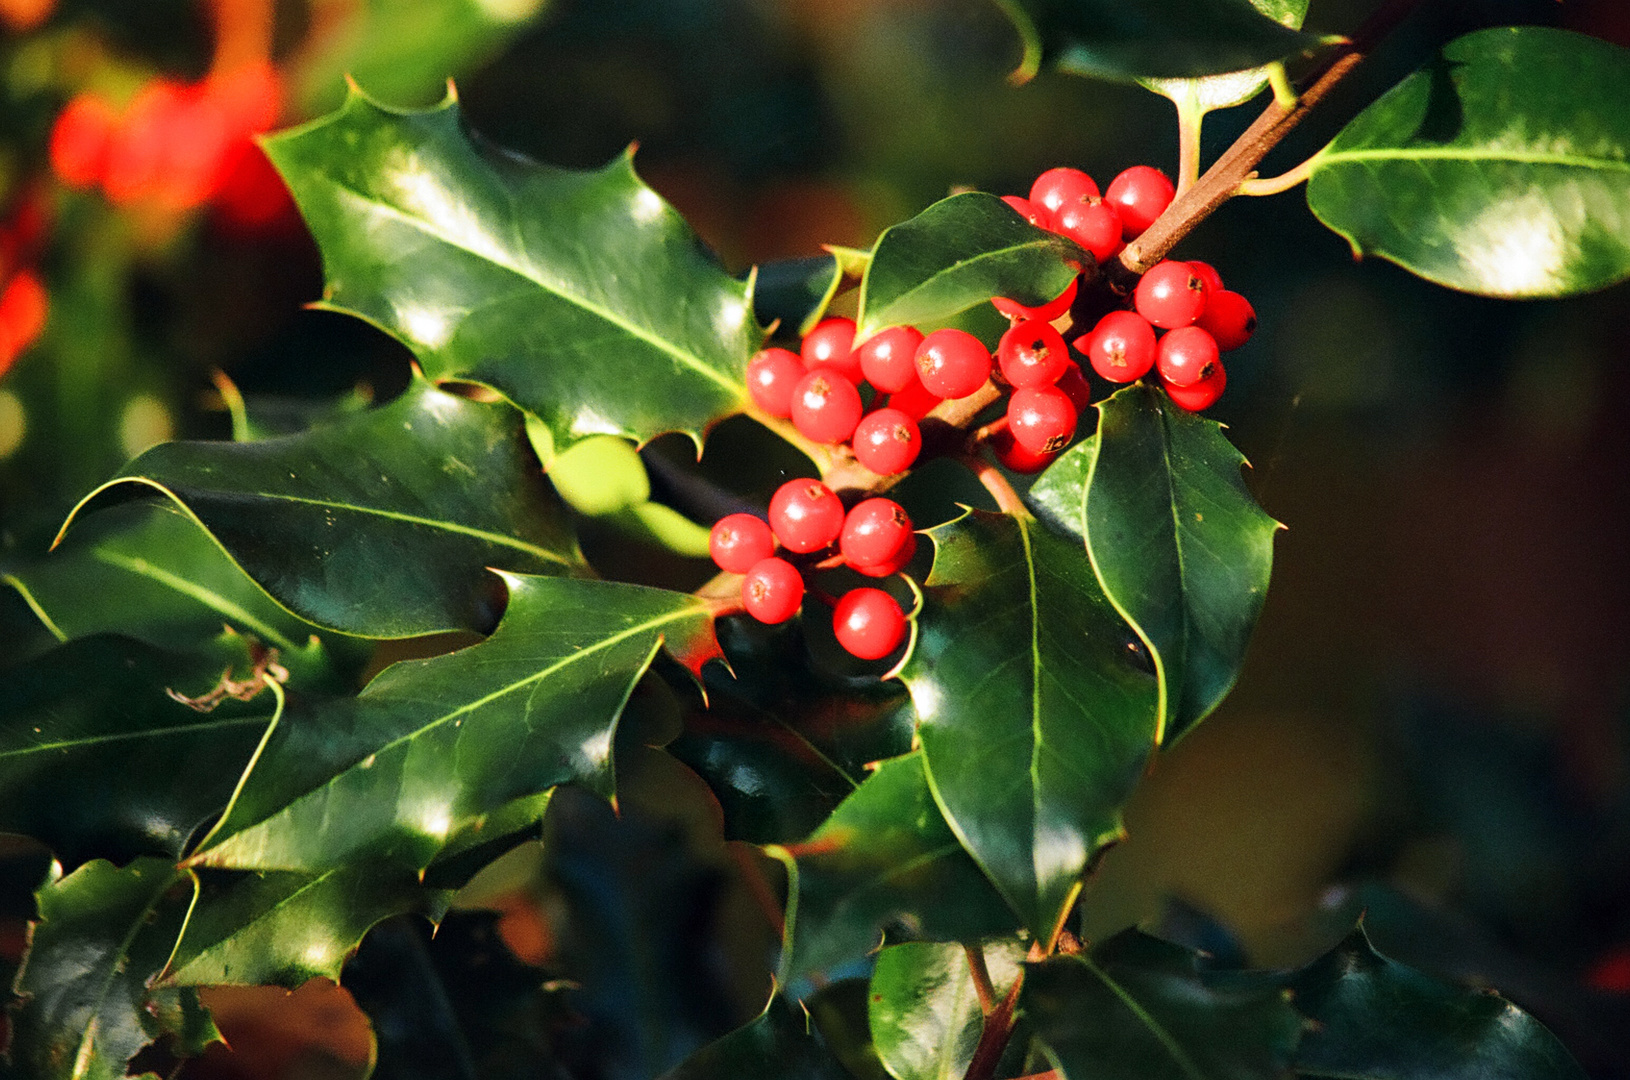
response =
{"points": [[1273, 185], [1190, 119]]}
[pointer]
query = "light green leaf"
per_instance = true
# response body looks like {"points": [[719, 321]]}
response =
{"points": [[1200, 96]]}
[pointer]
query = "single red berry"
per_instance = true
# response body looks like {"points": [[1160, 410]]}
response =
{"points": [[1028, 210], [25, 304], [1139, 195], [771, 375], [1017, 458], [874, 532], [893, 566], [1203, 394], [887, 441], [868, 623], [1121, 347], [1058, 188], [826, 406], [1047, 312], [1075, 387], [1208, 274], [805, 515], [772, 590], [1041, 418], [738, 541], [1094, 225], [915, 400], [1032, 354], [888, 358], [1229, 318], [1186, 356], [80, 139], [832, 343], [136, 153], [1170, 295], [952, 363]]}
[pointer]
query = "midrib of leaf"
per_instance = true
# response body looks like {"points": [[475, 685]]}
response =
{"points": [[126, 736], [1447, 153], [208, 597], [947, 1046], [1035, 692], [1040, 245], [526, 273], [311, 883], [33, 605], [1164, 1037]]}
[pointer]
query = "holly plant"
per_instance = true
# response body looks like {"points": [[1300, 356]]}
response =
{"points": [[978, 559]]}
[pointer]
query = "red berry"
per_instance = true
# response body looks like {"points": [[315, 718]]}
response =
{"points": [[771, 375], [952, 363], [136, 154], [832, 343], [915, 400], [1203, 394], [772, 590], [1041, 418], [1208, 274], [1074, 385], [738, 541], [1028, 210], [887, 358], [805, 515], [1186, 356], [874, 532], [826, 406], [1047, 312], [1121, 347], [868, 623], [887, 441], [893, 566], [1170, 295], [1229, 318], [1094, 225], [1017, 458], [1139, 195], [1058, 188], [80, 139], [1032, 354], [24, 306]]}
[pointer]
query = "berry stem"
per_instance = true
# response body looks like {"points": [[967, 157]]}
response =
{"points": [[1273, 185], [1007, 500], [1190, 118]]}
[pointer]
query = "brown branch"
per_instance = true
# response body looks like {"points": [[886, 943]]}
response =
{"points": [[994, 1038], [981, 977]]}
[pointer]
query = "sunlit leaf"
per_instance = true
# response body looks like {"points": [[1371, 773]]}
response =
{"points": [[926, 1016]]}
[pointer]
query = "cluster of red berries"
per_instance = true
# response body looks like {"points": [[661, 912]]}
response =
{"points": [[875, 538]]}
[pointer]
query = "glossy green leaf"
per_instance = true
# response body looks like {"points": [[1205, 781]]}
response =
{"points": [[1375, 1019], [884, 859], [97, 760], [271, 928], [581, 296], [86, 1008], [779, 1045], [1200, 96], [380, 525], [926, 1017], [957, 254], [1138, 1008], [1178, 542], [1035, 714], [1502, 168], [796, 292], [432, 747], [1167, 39]]}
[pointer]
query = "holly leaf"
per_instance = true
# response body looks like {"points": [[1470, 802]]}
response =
{"points": [[379, 525], [1177, 541], [580, 296], [98, 760], [884, 859], [926, 1017], [796, 292], [778, 1045], [1202, 95], [956, 255], [1034, 712], [1501, 168], [1375, 1019], [432, 747], [85, 1006], [1138, 1008]]}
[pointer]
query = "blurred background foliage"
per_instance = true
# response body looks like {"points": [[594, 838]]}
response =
{"points": [[1432, 722]]}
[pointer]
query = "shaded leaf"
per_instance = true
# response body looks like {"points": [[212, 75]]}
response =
{"points": [[1502, 168], [379, 525], [1138, 1008], [884, 859], [796, 292], [432, 747], [957, 254], [86, 1009], [1200, 96], [779, 1045], [562, 289], [926, 1016], [1034, 712]]}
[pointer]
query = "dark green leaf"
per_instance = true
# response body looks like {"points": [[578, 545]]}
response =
{"points": [[1138, 1008], [779, 1045], [957, 254], [795, 292], [926, 1016], [1034, 711], [380, 525], [1502, 168], [581, 296], [86, 1009], [1178, 542], [1375, 1019], [433, 747], [885, 858], [97, 760], [1200, 96]]}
